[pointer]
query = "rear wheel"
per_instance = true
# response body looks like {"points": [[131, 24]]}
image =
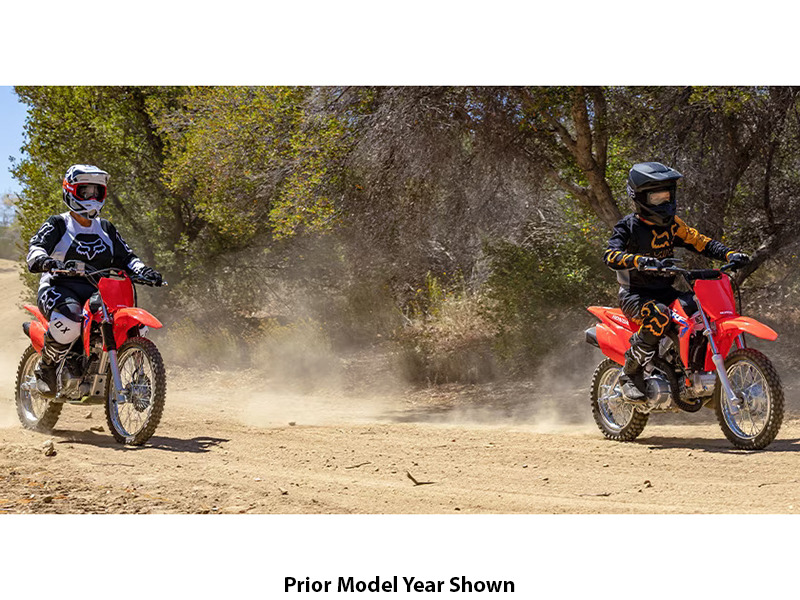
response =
{"points": [[754, 422], [617, 419], [34, 410], [144, 384]]}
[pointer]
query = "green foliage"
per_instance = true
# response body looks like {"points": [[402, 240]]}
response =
{"points": [[9, 228], [538, 287], [356, 209], [110, 127], [255, 161]]}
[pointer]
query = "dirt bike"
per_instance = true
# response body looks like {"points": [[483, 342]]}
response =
{"points": [[700, 362], [111, 363]]}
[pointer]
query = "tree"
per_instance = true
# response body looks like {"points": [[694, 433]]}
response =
{"points": [[110, 127]]}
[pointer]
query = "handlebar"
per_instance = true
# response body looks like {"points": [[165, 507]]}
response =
{"points": [[692, 274], [78, 269]]}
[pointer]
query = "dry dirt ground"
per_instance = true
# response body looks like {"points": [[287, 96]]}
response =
{"points": [[234, 442]]}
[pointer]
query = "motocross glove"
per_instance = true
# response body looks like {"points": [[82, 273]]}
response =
{"points": [[45, 263], [151, 275], [739, 259], [646, 263]]}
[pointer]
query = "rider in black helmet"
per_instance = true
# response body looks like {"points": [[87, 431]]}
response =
{"points": [[641, 240]]}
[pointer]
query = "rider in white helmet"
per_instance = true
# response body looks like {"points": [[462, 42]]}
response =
{"points": [[76, 235]]}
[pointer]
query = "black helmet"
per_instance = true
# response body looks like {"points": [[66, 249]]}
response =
{"points": [[645, 181]]}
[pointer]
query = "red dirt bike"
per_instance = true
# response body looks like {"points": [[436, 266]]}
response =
{"points": [[111, 363], [705, 362]]}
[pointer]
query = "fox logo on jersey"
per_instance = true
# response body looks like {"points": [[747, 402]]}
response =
{"points": [[90, 249], [660, 240], [41, 234]]}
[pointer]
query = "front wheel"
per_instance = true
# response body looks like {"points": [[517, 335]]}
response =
{"points": [[34, 410], [617, 419], [755, 421], [144, 385]]}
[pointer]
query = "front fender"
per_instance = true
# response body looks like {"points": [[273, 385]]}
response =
{"points": [[125, 318], [738, 325], [140, 315]]}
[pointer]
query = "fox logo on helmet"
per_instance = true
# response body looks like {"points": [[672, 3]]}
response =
{"points": [[90, 249]]}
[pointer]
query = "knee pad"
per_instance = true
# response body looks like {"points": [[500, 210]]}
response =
{"points": [[655, 319], [63, 329]]}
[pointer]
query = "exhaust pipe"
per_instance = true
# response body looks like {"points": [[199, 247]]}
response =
{"points": [[591, 336]]}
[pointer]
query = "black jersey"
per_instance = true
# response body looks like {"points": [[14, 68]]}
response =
{"points": [[99, 245], [634, 238]]}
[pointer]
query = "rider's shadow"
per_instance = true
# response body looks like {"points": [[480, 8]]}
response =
{"points": [[714, 445], [198, 444]]}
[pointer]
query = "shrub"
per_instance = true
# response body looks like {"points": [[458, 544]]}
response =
{"points": [[447, 337]]}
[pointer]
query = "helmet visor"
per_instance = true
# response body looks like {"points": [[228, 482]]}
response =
{"points": [[659, 198], [90, 191]]}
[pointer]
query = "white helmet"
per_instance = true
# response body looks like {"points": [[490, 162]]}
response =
{"points": [[85, 189]]}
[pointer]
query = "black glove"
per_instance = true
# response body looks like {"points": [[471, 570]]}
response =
{"points": [[44, 264], [738, 259], [151, 275], [646, 263]]}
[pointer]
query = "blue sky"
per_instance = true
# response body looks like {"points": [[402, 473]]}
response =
{"points": [[12, 120]]}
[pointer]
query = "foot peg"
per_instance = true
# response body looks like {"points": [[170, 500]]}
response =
{"points": [[630, 391]]}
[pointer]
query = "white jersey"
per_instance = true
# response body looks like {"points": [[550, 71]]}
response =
{"points": [[99, 245]]}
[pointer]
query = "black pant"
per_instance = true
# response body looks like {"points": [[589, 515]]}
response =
{"points": [[650, 309], [67, 298]]}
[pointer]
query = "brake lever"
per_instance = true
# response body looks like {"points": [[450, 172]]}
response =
{"points": [[671, 262], [665, 271]]}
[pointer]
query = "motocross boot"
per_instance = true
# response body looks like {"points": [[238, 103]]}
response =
{"points": [[47, 370], [632, 378]]}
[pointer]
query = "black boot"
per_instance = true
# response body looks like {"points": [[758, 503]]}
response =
{"points": [[632, 378], [47, 370]]}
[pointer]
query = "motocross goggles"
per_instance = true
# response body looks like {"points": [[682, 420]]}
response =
{"points": [[90, 191], [658, 198]]}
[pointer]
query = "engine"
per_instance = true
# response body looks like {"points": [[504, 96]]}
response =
{"points": [[657, 391]]}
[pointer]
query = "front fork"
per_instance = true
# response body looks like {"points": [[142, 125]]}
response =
{"points": [[719, 361], [107, 329]]}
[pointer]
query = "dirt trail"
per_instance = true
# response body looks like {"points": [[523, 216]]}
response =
{"points": [[475, 449]]}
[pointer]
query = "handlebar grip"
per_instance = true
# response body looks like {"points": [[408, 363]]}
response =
{"points": [[705, 274]]}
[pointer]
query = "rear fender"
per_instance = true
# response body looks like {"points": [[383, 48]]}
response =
{"points": [[613, 341], [36, 313], [35, 331], [613, 317]]}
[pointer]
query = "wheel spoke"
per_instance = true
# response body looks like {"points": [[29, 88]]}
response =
{"points": [[751, 387]]}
